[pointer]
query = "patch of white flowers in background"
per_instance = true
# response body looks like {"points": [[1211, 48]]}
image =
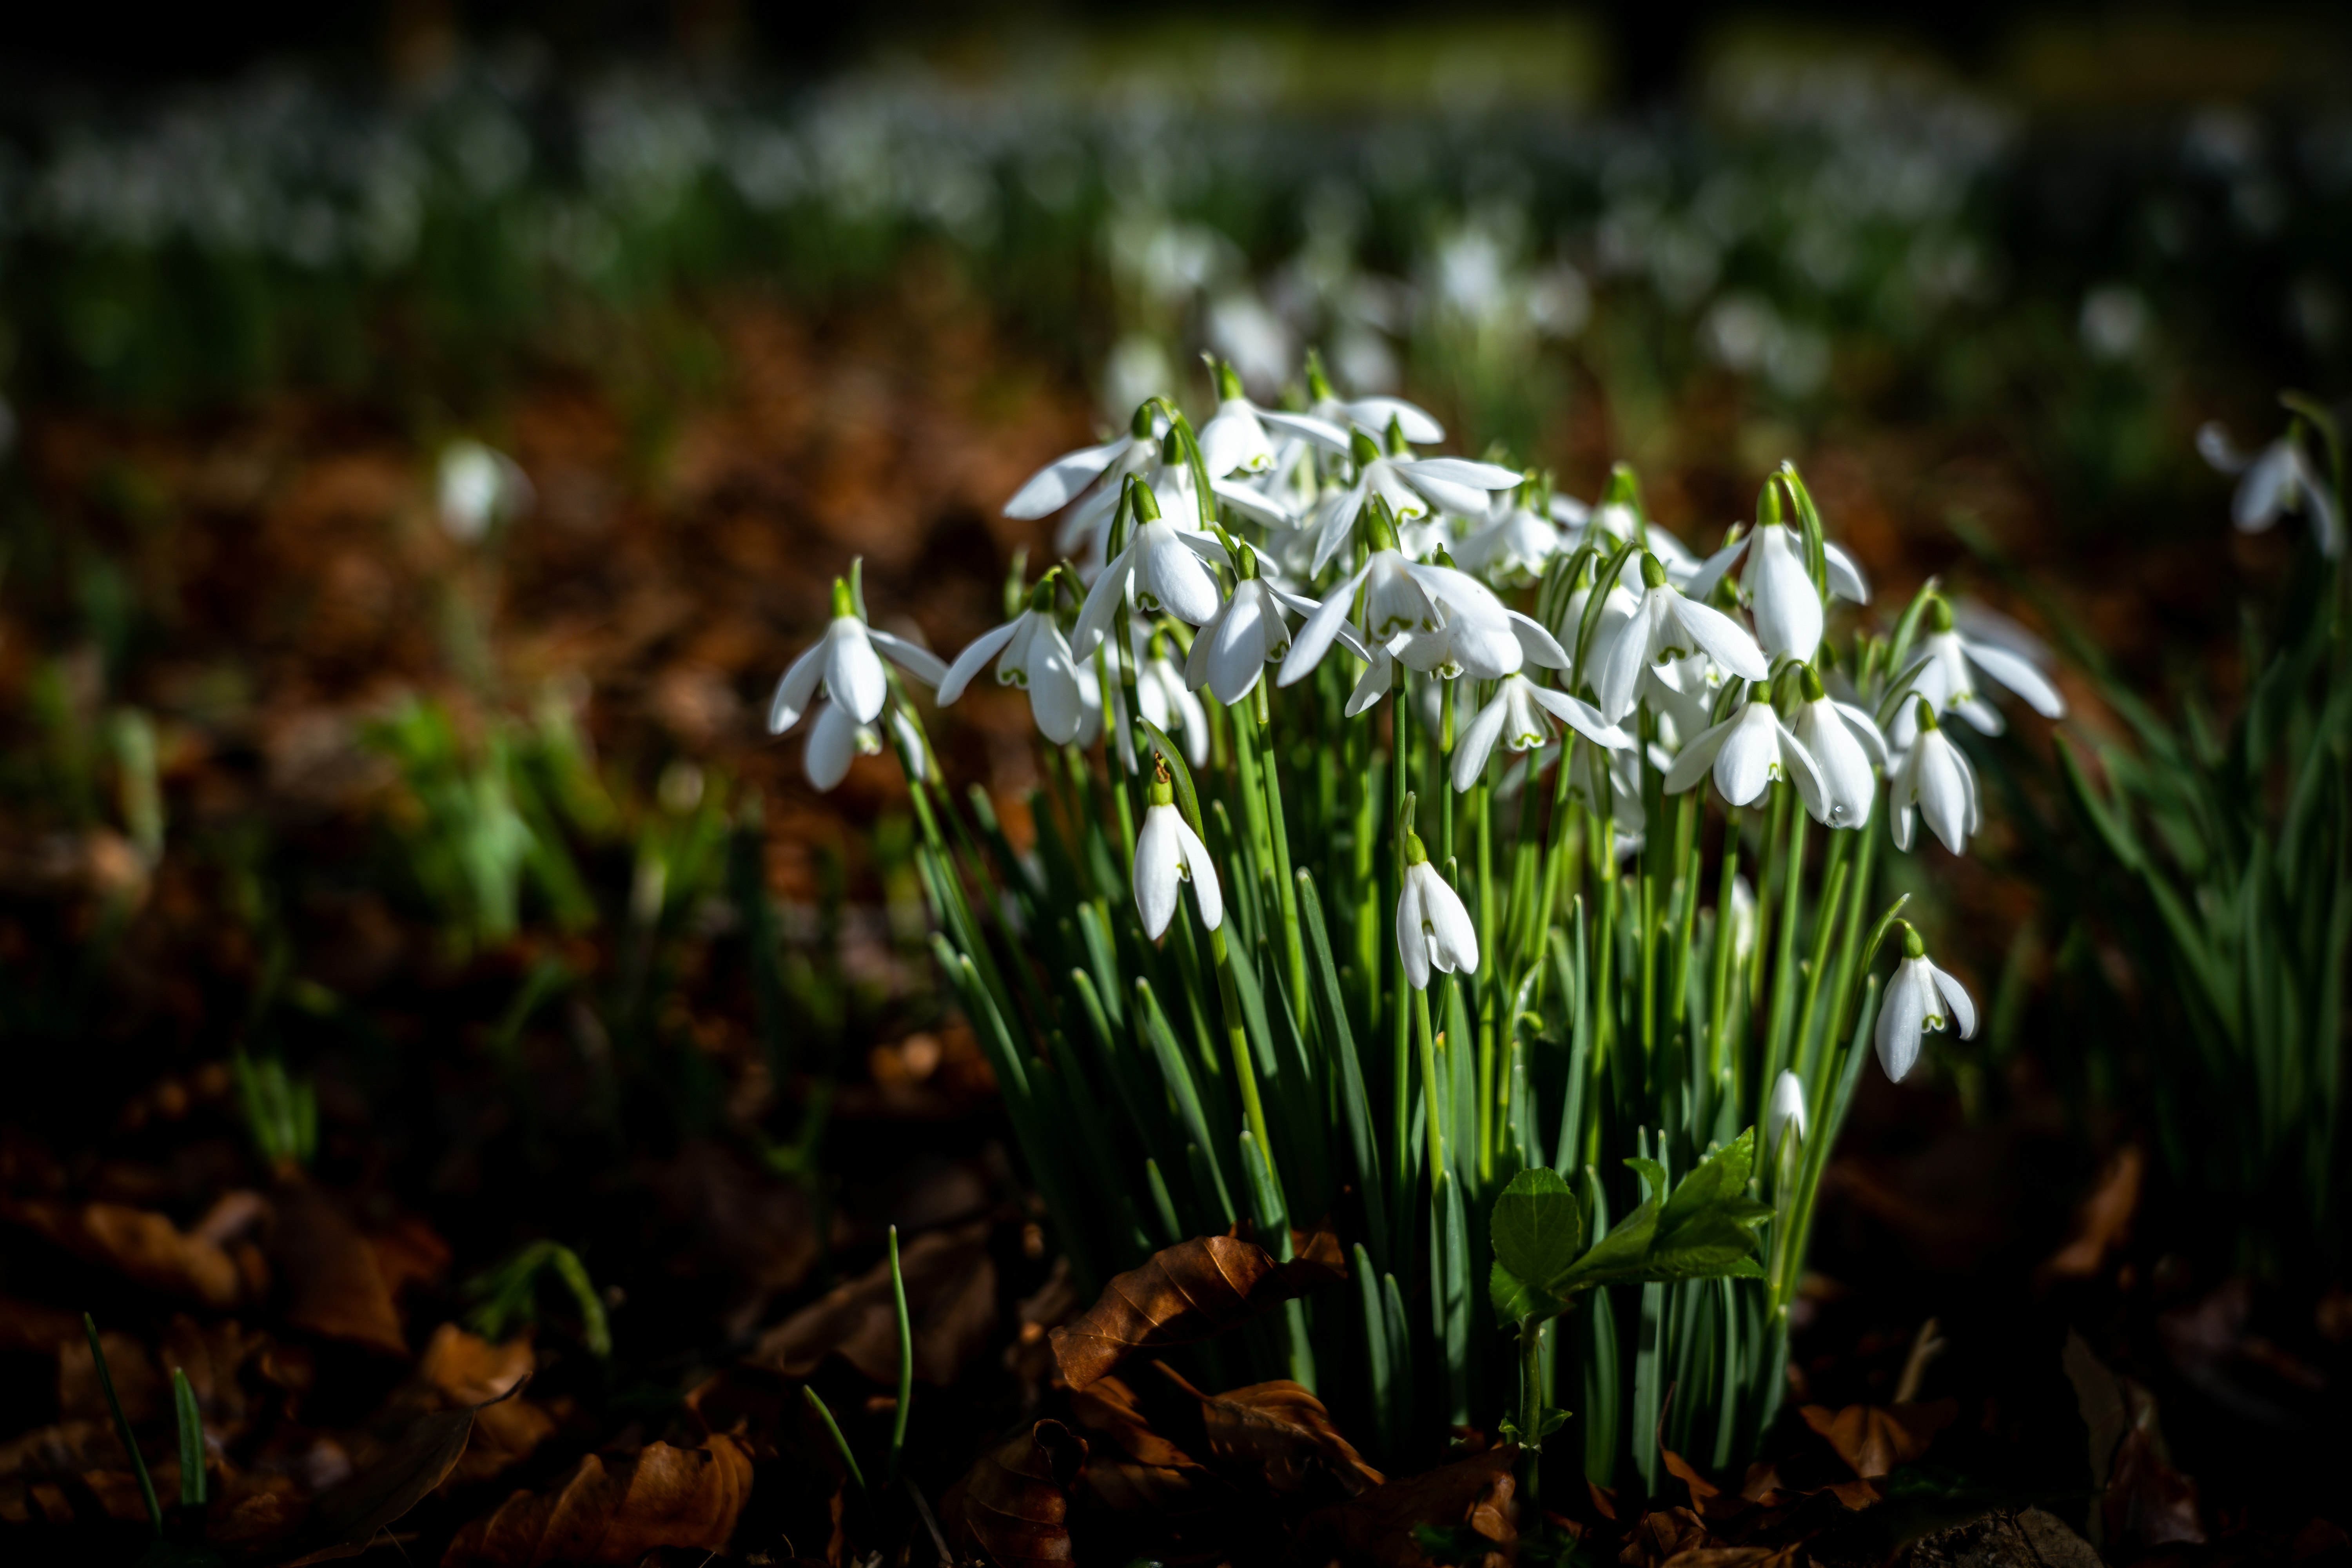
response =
{"points": [[1330, 542]]}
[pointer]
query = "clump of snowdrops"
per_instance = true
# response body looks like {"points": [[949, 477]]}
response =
{"points": [[1376, 888]]}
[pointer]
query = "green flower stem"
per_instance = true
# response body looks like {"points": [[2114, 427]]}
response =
{"points": [[1784, 962], [1857, 909], [1294, 942], [1400, 1067], [1433, 1116], [1554, 869], [1719, 987], [1442, 784], [1237, 1044], [1531, 1411], [906, 1362], [1811, 1042], [121, 1426], [1491, 1079]]}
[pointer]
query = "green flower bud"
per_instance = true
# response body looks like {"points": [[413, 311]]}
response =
{"points": [[843, 604], [1414, 855], [1654, 573]]}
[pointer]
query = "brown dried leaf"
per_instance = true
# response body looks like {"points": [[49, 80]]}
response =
{"points": [[1190, 1292], [142, 1247], [1014, 1501], [337, 1276], [950, 1300], [1873, 1439], [1108, 1407], [1277, 1438], [419, 1458], [468, 1370], [2103, 1219], [1377, 1527], [614, 1512], [1660, 1537]]}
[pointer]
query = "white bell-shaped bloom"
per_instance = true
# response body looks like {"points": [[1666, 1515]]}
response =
{"points": [[1404, 595], [836, 739], [1373, 416], [1521, 715], [847, 665], [1168, 853], [1935, 779], [1168, 702], [1433, 930], [1776, 587], [1163, 569], [2280, 478], [1470, 644], [1667, 625], [1944, 672], [1240, 438], [1845, 742], [1784, 1113], [1917, 999], [1064, 479], [1415, 488], [1745, 752], [1511, 550], [1031, 653], [1247, 634], [478, 486]]}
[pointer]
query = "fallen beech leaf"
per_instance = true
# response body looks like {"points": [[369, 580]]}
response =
{"points": [[1659, 1538], [468, 1370], [336, 1277], [2102, 1220], [418, 1459], [1734, 1557], [1278, 1436], [614, 1512], [1190, 1292], [951, 1301], [2028, 1536], [146, 1248], [1107, 1406], [1377, 1527], [1873, 1439], [1014, 1501]]}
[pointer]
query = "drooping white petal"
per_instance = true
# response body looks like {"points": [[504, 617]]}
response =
{"points": [[1722, 638], [1054, 696], [2262, 492], [2213, 443], [1743, 768], [834, 739], [1628, 651], [1379, 675], [1942, 789], [1051, 486], [1788, 608], [1322, 432], [1582, 717], [1846, 580], [1797, 764], [853, 671], [913, 658], [1412, 946], [1700, 584], [1866, 730], [2018, 673], [1335, 521], [1314, 638], [1538, 646], [1902, 1015], [1207, 897], [1964, 1008], [1234, 439], [1698, 755], [797, 689], [1158, 868], [1848, 787], [975, 657], [1453, 940], [1476, 743], [1102, 603], [1372, 414]]}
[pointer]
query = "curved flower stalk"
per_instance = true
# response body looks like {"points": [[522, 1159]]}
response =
{"points": [[1522, 715], [1432, 928], [1667, 625], [1942, 672], [2278, 480], [1935, 779], [1167, 854], [1920, 999], [1031, 653], [847, 664]]}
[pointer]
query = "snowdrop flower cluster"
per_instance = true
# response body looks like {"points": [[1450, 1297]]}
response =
{"points": [[1435, 749]]}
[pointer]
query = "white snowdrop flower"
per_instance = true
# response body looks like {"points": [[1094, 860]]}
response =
{"points": [[1776, 587], [1785, 1112], [1247, 634], [1061, 481], [1236, 438], [913, 755], [1415, 488], [1372, 416], [1745, 752], [845, 664], [1612, 523], [1030, 652], [1915, 1002], [1403, 595], [2280, 478], [1469, 644], [1166, 701], [1169, 853], [1941, 672], [835, 738], [1511, 550], [1935, 778], [480, 486], [1432, 928], [1164, 568], [1667, 625], [1846, 581], [1521, 715], [1846, 743]]}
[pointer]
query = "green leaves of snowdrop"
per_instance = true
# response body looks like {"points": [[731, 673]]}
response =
{"points": [[1704, 1230]]}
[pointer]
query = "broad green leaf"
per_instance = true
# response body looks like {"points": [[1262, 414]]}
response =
{"points": [[1538, 1226], [1616, 1256], [1515, 1301]]}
